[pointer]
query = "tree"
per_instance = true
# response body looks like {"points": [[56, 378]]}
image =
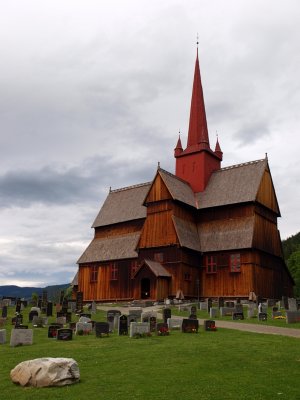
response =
{"points": [[293, 264]]}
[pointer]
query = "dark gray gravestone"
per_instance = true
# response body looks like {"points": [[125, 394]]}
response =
{"points": [[166, 314], [193, 310], [208, 304], [162, 329], [18, 306], [17, 320], [262, 316], [86, 315], [133, 318], [79, 301], [209, 325], [229, 304], [152, 321], [190, 325], [274, 309], [32, 314], [64, 334], [49, 309], [221, 302], [44, 298], [239, 308], [4, 312], [285, 301], [237, 316], [123, 325], [101, 328], [292, 317], [52, 331], [61, 297], [276, 314], [66, 314], [21, 327]]}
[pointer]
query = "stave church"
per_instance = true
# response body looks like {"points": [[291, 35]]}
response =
{"points": [[203, 231]]}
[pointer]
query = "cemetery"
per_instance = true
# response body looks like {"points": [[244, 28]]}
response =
{"points": [[101, 344]]}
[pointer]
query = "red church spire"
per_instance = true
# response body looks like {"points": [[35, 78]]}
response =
{"points": [[198, 132], [178, 149]]}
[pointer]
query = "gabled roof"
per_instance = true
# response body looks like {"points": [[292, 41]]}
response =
{"points": [[155, 267], [179, 189], [232, 185], [227, 234], [187, 233], [111, 248], [122, 205]]}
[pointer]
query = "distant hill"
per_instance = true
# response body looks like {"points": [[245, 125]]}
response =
{"points": [[26, 292]]}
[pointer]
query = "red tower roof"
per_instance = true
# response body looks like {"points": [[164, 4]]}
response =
{"points": [[198, 132]]}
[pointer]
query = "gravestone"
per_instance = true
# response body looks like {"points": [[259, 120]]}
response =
{"points": [[139, 328], [61, 297], [190, 325], [32, 314], [166, 314], [210, 325], [52, 331], [87, 315], [64, 334], [65, 314], [39, 304], [72, 325], [239, 308], [229, 304], [192, 316], [153, 321], [72, 305], [285, 302], [94, 308], [17, 320], [84, 328], [251, 310], [64, 307], [2, 336], [136, 311], [18, 306], [226, 311], [262, 308], [276, 314], [44, 298], [193, 310], [4, 312], [208, 304], [101, 328], [58, 307], [271, 302], [274, 309], [174, 323], [292, 304], [37, 322], [220, 302], [21, 337], [162, 329], [84, 319], [61, 320], [2, 322], [21, 327], [203, 306], [237, 316], [79, 301], [49, 312], [262, 316], [122, 325], [213, 313], [258, 300], [292, 317]]}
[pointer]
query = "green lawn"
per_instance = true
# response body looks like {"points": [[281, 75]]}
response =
{"points": [[226, 364]]}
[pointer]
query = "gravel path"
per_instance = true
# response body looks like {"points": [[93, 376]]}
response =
{"points": [[256, 328]]}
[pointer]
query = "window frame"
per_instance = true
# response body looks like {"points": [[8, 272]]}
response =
{"points": [[114, 272], [94, 274], [235, 263], [211, 264]]}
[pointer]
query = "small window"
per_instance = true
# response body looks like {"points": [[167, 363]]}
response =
{"points": [[114, 272], [211, 264], [235, 262], [94, 274], [158, 257]]}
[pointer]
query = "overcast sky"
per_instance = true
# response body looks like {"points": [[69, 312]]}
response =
{"points": [[93, 94]]}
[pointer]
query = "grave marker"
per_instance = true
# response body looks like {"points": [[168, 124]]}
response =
{"points": [[190, 325], [166, 314], [123, 325], [237, 316], [79, 301], [21, 337], [174, 323], [292, 317], [49, 311], [210, 325], [64, 334], [262, 316], [101, 328], [4, 312], [52, 331], [2, 336], [139, 328]]}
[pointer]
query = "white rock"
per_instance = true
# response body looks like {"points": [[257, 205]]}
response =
{"points": [[42, 372]]}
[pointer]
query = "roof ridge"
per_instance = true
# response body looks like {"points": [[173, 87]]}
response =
{"points": [[130, 187], [241, 165]]}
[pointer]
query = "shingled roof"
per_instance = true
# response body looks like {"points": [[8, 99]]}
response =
{"points": [[112, 248], [179, 189], [155, 267], [122, 205], [232, 185], [187, 233], [227, 234]]}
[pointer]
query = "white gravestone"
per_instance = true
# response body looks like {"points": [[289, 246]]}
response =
{"points": [[139, 328], [21, 337], [2, 336]]}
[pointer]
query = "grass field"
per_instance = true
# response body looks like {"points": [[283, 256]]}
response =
{"points": [[226, 364]]}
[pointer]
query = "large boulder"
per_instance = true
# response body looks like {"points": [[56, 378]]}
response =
{"points": [[42, 372]]}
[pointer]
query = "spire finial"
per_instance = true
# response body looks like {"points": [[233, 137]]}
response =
{"points": [[217, 135], [197, 43], [158, 165]]}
